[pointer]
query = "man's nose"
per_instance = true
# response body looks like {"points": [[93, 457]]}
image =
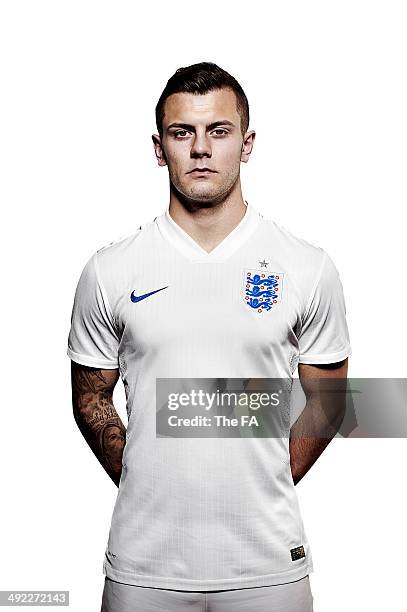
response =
{"points": [[201, 146]]}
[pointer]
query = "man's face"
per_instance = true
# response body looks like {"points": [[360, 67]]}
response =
{"points": [[202, 144]]}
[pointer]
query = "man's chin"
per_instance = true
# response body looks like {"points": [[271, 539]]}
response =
{"points": [[202, 198], [199, 195]]}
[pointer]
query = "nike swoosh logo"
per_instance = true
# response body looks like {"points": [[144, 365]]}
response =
{"points": [[138, 298]]}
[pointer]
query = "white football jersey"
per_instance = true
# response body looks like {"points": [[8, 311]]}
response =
{"points": [[206, 513]]}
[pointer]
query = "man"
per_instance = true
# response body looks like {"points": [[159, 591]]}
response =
{"points": [[207, 289]]}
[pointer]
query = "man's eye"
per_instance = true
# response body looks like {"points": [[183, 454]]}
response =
{"points": [[180, 133], [220, 132]]}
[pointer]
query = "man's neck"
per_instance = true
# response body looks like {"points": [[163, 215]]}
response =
{"points": [[209, 226]]}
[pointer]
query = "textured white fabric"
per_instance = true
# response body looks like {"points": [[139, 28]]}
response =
{"points": [[205, 513], [290, 597]]}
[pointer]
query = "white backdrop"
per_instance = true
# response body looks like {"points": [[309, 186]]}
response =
{"points": [[327, 91]]}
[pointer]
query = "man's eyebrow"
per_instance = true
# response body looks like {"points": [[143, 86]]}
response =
{"points": [[191, 128]]}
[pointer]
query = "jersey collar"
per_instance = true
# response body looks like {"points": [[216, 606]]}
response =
{"points": [[182, 241]]}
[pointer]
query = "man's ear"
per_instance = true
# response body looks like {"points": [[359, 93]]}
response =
{"points": [[247, 145], [159, 151]]}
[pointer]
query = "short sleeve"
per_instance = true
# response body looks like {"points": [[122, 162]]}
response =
{"points": [[92, 339], [324, 336]]}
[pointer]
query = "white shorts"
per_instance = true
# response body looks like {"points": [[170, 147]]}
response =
{"points": [[290, 597]]}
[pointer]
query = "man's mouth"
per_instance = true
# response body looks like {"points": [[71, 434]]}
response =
{"points": [[201, 171]]}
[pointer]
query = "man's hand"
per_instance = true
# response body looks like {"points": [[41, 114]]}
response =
{"points": [[96, 416], [322, 414]]}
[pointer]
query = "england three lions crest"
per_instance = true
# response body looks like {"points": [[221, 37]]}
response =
{"points": [[262, 289]]}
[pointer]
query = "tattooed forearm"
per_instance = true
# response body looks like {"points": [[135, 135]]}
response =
{"points": [[96, 416]]}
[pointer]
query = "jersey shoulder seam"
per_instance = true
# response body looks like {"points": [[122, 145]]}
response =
{"points": [[104, 294], [315, 285], [121, 239]]}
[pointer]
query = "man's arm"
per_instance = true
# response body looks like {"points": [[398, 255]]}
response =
{"points": [[96, 416], [304, 451]]}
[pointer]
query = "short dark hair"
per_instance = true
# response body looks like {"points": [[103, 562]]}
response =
{"points": [[200, 79]]}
